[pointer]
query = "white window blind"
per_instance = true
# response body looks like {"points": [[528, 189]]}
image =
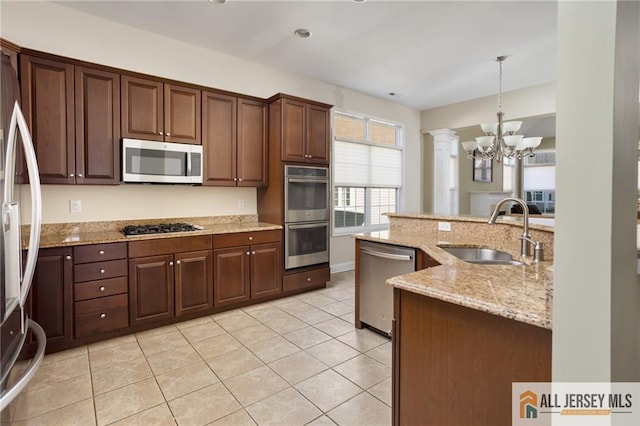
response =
{"points": [[361, 164]]}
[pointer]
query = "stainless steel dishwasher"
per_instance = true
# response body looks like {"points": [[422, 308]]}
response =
{"points": [[379, 262]]}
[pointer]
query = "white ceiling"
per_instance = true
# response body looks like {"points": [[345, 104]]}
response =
{"points": [[431, 53]]}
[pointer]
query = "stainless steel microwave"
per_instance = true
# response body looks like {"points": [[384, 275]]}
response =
{"points": [[161, 162]]}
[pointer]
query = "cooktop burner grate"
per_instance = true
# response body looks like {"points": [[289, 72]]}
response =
{"points": [[163, 228]]}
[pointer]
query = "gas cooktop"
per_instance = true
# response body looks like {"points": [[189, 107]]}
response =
{"points": [[163, 228]]}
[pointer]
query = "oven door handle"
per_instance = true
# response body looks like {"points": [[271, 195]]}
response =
{"points": [[308, 180], [308, 225]]}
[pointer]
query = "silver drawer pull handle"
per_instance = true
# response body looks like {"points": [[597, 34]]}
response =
{"points": [[160, 133], [170, 263], [103, 315], [101, 252], [68, 257], [250, 238], [102, 288], [168, 134], [102, 271], [253, 252], [309, 279], [177, 262], [248, 253]]}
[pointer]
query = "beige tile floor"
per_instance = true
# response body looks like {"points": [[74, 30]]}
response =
{"points": [[293, 361]]}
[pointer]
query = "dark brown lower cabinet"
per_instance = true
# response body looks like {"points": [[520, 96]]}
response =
{"points": [[51, 301], [247, 267], [150, 288], [193, 282], [265, 271], [232, 276], [454, 365], [169, 277]]}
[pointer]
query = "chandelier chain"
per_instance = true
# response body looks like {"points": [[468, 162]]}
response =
{"points": [[500, 59]]}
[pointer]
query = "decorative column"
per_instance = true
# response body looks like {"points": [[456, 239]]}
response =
{"points": [[443, 140]]}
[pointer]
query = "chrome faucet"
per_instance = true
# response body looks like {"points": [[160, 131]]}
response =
{"points": [[526, 238]]}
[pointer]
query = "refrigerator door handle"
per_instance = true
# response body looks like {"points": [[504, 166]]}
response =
{"points": [[10, 393], [18, 121]]}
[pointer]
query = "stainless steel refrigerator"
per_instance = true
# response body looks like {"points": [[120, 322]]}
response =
{"points": [[16, 149]]}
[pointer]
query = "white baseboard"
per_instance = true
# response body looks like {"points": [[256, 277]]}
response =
{"points": [[343, 267]]}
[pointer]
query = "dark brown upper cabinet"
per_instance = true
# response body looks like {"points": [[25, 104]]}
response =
{"points": [[73, 113], [305, 132], [159, 111], [97, 118], [48, 107], [234, 141]]}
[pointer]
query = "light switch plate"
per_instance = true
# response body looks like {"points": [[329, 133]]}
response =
{"points": [[444, 226]]}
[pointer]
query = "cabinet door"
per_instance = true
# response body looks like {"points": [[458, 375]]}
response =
{"points": [[47, 104], [219, 139], [150, 288], [293, 130], [266, 279], [142, 109], [182, 114], [97, 116], [193, 282], [252, 143], [231, 275], [10, 94], [52, 295], [318, 134]]}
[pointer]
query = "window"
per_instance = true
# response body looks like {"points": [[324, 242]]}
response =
{"points": [[539, 184], [453, 177], [509, 175], [367, 172], [544, 200]]}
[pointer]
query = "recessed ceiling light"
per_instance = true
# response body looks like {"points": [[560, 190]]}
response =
{"points": [[218, 1], [302, 33], [358, 1]]}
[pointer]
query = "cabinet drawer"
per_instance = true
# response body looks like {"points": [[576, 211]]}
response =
{"points": [[102, 314], [99, 270], [99, 252], [246, 238], [306, 279], [144, 248], [99, 288]]}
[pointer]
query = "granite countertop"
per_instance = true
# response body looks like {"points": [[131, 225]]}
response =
{"points": [[65, 235], [522, 293]]}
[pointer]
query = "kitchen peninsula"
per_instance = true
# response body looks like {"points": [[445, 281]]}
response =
{"points": [[462, 332]]}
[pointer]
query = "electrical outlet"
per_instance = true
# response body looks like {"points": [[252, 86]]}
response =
{"points": [[444, 226], [240, 203], [75, 206]]}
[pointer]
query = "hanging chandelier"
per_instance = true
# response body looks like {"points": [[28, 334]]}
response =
{"points": [[500, 140]]}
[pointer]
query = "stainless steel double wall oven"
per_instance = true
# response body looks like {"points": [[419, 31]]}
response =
{"points": [[306, 204]]}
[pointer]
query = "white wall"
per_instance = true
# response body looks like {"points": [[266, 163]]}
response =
{"points": [[596, 298], [135, 201], [532, 101], [59, 30]]}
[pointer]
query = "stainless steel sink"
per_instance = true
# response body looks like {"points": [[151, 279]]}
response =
{"points": [[482, 256]]}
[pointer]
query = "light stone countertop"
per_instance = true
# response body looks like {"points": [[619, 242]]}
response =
{"points": [[74, 234], [522, 293]]}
